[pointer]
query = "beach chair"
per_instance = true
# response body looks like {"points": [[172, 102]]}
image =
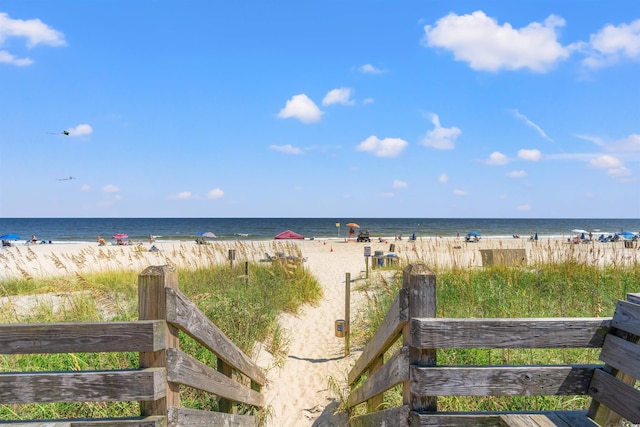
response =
{"points": [[6, 243]]}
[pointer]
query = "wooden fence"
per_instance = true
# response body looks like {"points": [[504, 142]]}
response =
{"points": [[163, 367], [414, 365]]}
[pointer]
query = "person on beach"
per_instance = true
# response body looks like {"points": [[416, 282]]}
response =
{"points": [[101, 241], [352, 233], [33, 239], [152, 238]]}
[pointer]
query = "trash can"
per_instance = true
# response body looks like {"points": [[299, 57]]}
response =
{"points": [[392, 247], [340, 328]]}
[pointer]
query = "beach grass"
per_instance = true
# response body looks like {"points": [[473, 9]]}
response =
{"points": [[570, 288], [244, 307]]}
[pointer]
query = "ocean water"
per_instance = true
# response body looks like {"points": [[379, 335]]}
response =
{"points": [[186, 229]]}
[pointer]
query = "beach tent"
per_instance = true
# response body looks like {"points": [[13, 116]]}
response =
{"points": [[289, 235]]}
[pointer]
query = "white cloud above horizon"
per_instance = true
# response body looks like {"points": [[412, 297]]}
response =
{"points": [[80, 130], [387, 147], [441, 138], [497, 159], [613, 44], [530, 155], [339, 96], [488, 46], [287, 149], [370, 69], [33, 30], [532, 124], [301, 107]]}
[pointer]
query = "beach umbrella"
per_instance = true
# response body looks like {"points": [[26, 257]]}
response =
{"points": [[120, 236], [9, 236], [353, 224], [289, 235], [579, 231], [474, 234], [627, 235], [207, 234]]}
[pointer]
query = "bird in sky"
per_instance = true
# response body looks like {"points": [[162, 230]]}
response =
{"points": [[66, 179], [64, 132]]}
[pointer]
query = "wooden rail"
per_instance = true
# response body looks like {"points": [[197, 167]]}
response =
{"points": [[163, 311], [414, 364]]}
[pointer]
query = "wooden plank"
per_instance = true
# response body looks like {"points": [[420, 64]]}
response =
{"points": [[184, 369], [155, 421], [396, 417], [152, 305], [187, 317], [622, 355], [82, 386], [386, 334], [627, 317], [183, 417], [534, 420], [634, 298], [90, 337], [420, 283], [508, 333], [505, 380], [616, 395], [502, 419], [439, 419], [395, 371]]}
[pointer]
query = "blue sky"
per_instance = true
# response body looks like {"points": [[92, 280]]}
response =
{"points": [[526, 109]]}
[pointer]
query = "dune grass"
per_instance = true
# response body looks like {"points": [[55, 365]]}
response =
{"points": [[563, 289], [245, 308]]}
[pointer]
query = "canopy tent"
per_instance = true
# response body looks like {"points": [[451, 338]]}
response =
{"points": [[288, 235]]}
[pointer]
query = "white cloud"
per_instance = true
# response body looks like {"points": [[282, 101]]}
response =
{"points": [[488, 46], [460, 193], [302, 108], [387, 147], [531, 155], [441, 138], [497, 158], [338, 96], [184, 195], [613, 165], [7, 58], [517, 174], [443, 178], [613, 44], [80, 130], [368, 101], [370, 69], [85, 188], [216, 193], [287, 149], [533, 125], [110, 188], [33, 30], [523, 208], [399, 184], [628, 144]]}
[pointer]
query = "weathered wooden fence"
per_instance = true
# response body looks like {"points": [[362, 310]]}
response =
{"points": [[163, 311], [414, 364]]}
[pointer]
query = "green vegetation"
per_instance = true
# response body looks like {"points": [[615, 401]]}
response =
{"points": [[244, 308], [567, 289]]}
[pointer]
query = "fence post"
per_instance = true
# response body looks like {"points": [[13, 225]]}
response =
{"points": [[152, 306], [347, 314], [420, 283]]}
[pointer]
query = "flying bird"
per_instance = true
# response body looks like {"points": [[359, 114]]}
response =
{"points": [[64, 132], [66, 179]]}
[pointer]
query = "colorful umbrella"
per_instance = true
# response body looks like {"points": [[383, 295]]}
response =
{"points": [[9, 236], [207, 234], [353, 224], [289, 235], [120, 236]]}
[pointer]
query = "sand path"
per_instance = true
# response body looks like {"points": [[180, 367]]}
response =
{"points": [[299, 392]]}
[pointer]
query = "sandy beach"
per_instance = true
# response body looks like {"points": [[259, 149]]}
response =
{"points": [[298, 392]]}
